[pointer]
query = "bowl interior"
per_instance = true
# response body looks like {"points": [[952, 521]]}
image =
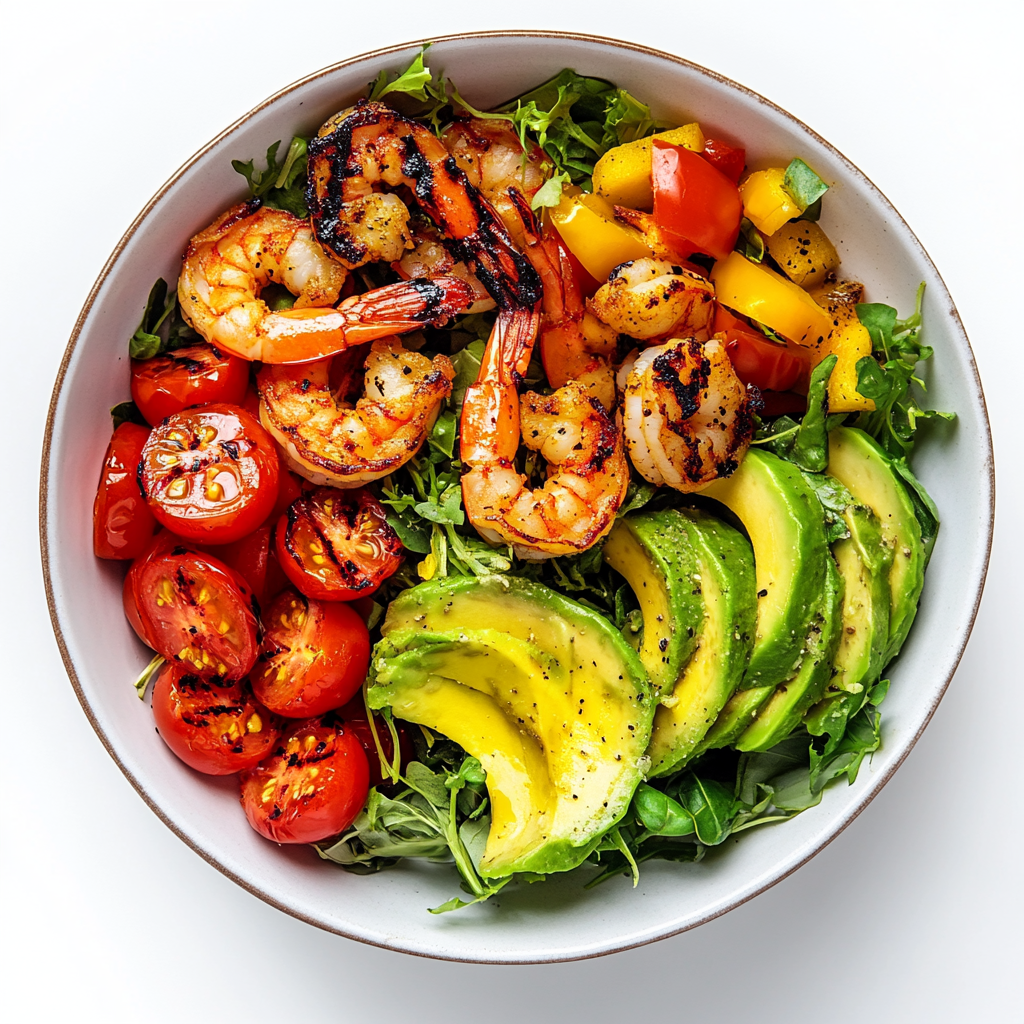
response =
{"points": [[555, 920]]}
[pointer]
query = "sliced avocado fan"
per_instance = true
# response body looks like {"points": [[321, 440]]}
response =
{"points": [[545, 692]]}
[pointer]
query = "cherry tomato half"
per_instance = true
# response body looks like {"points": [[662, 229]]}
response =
{"points": [[194, 375], [194, 610], [758, 361], [216, 727], [310, 788], [313, 658], [337, 545], [210, 473], [730, 160], [122, 524], [694, 200]]}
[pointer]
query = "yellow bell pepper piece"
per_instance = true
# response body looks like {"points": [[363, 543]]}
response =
{"points": [[623, 174], [769, 298], [849, 341], [765, 202], [588, 227]]}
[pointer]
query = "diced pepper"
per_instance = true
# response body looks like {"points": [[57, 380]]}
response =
{"points": [[695, 201], [765, 202], [804, 252], [730, 160], [589, 229], [849, 341], [767, 297], [766, 364], [623, 174]]}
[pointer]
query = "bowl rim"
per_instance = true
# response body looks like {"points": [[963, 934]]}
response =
{"points": [[842, 822]]}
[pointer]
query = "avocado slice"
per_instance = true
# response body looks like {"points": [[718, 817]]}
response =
{"points": [[655, 552], [782, 712], [649, 549], [865, 562], [545, 692], [784, 521], [857, 461]]}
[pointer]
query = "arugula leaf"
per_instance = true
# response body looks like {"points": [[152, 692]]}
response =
{"points": [[467, 368], [810, 444], [412, 81], [161, 314], [281, 186], [924, 508], [803, 184], [835, 500], [888, 376], [710, 804], [813, 212], [660, 814], [638, 494]]}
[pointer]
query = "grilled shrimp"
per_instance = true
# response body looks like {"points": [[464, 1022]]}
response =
{"points": [[429, 258], [226, 266], [368, 146], [329, 439], [649, 298], [587, 469], [687, 417]]}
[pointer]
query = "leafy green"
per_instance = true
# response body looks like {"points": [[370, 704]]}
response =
{"points": [[889, 376], [813, 212], [803, 184], [127, 412], [835, 500], [162, 327], [413, 81], [810, 443], [550, 193], [281, 186], [750, 241]]}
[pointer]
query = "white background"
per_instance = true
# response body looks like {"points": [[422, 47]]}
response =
{"points": [[913, 914]]}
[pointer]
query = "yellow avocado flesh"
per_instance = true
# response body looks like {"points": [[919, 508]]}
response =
{"points": [[544, 692]]}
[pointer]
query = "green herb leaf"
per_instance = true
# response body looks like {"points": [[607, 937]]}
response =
{"points": [[467, 369], [412, 81], [550, 193], [442, 437], [810, 446], [281, 186], [711, 805], [803, 184], [750, 242], [813, 212], [127, 412], [638, 494], [660, 814]]}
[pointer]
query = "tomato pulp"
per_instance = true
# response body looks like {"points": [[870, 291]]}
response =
{"points": [[216, 727], [311, 787], [210, 473], [313, 658], [337, 545]]}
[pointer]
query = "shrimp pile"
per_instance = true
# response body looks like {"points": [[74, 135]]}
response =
{"points": [[688, 418]]}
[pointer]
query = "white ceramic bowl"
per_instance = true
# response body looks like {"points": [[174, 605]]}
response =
{"points": [[557, 920]]}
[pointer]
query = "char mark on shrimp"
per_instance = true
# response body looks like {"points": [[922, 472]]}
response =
{"points": [[687, 392]]}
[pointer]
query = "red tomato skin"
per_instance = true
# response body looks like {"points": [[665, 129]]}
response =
{"points": [[241, 454], [122, 524], [758, 361], [694, 200], [285, 805], [249, 557], [167, 625], [346, 579], [295, 627], [195, 375], [215, 728], [730, 160]]}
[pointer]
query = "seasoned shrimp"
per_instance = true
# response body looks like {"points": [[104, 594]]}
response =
{"points": [[225, 268], [330, 440], [587, 469], [687, 417], [429, 258], [370, 145], [649, 298]]}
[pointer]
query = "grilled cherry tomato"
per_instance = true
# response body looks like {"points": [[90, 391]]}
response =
{"points": [[122, 524], [782, 403], [337, 545], [694, 200], [730, 160], [249, 557], [210, 473], [194, 610], [310, 788], [758, 361], [313, 658], [194, 375], [214, 726]]}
